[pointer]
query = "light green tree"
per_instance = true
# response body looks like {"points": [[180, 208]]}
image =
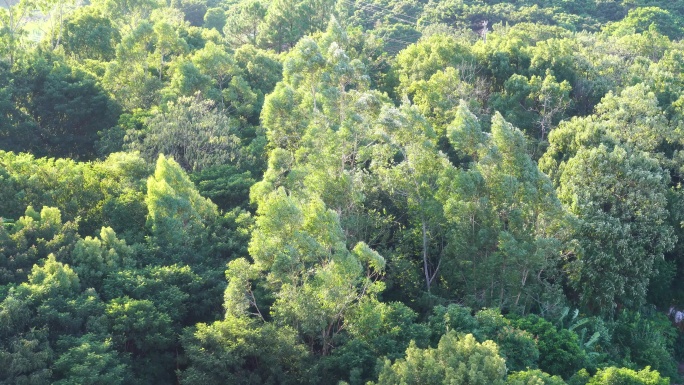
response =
{"points": [[215, 62], [127, 14], [177, 215], [424, 59], [613, 375], [440, 95], [128, 77], [504, 215], [13, 19], [415, 182], [317, 280], [456, 360], [533, 377], [166, 43]]}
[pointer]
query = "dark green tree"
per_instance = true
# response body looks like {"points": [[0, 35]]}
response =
{"points": [[89, 35]]}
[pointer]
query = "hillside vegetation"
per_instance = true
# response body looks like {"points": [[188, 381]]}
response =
{"points": [[341, 192]]}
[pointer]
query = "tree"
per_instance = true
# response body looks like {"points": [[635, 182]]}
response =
{"points": [[631, 122], [520, 348], [376, 329], [37, 313], [109, 193], [128, 77], [13, 18], [632, 119], [128, 15], [284, 24], [68, 107], [559, 350], [89, 35], [95, 258], [516, 346], [33, 238], [536, 103], [261, 70], [526, 208], [90, 360], [415, 182], [505, 218], [649, 338], [166, 43], [193, 132], [53, 11], [464, 132], [456, 360], [438, 97], [451, 318], [530, 377], [178, 216], [305, 69], [230, 89], [422, 60], [613, 375], [635, 118], [607, 190], [243, 22], [316, 84], [642, 19], [225, 185], [503, 55], [215, 18], [138, 326], [299, 247], [241, 351], [187, 80], [25, 357]]}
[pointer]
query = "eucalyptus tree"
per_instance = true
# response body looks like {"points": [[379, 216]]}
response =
{"points": [[505, 214], [13, 19], [178, 216], [128, 77]]}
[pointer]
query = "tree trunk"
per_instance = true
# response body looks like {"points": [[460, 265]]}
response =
{"points": [[425, 257]]}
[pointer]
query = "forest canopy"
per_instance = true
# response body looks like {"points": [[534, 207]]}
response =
{"points": [[341, 192]]}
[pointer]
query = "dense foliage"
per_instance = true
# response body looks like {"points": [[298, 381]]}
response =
{"points": [[341, 191]]}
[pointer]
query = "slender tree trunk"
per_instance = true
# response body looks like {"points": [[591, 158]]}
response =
{"points": [[313, 94], [11, 31], [503, 277], [59, 26], [425, 257]]}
